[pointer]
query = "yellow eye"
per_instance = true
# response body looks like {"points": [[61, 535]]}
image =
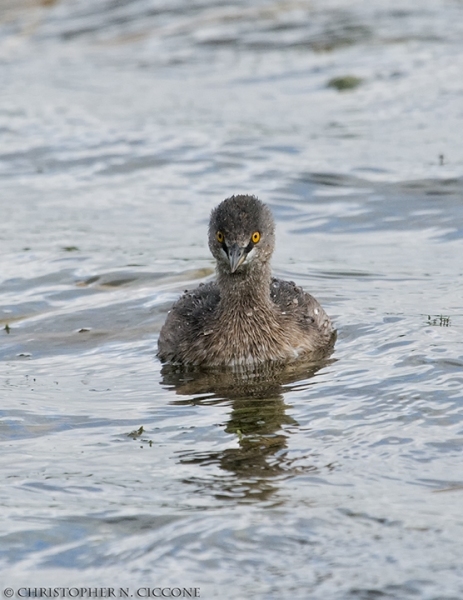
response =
{"points": [[255, 237], [219, 237]]}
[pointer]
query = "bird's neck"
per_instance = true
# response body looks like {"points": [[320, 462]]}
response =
{"points": [[246, 289]]}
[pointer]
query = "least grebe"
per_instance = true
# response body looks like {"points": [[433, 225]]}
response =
{"points": [[246, 317]]}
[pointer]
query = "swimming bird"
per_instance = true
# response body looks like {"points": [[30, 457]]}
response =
{"points": [[246, 317]]}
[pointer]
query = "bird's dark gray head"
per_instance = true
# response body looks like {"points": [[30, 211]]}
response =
{"points": [[241, 234]]}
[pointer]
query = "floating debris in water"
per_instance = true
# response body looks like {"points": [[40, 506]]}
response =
{"points": [[135, 435], [136, 432], [438, 320]]}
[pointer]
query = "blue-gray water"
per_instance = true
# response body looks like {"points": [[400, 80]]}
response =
{"points": [[122, 123]]}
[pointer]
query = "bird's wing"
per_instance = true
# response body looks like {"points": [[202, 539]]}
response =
{"points": [[293, 300], [187, 317]]}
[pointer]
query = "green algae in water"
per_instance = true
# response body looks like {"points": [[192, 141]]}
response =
{"points": [[345, 83]]}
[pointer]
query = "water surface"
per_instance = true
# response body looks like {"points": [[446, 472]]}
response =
{"points": [[121, 125]]}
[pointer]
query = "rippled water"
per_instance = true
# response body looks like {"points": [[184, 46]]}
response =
{"points": [[122, 123]]}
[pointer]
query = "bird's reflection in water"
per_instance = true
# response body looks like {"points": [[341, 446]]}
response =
{"points": [[258, 415]]}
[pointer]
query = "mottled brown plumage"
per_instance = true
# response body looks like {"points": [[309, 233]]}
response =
{"points": [[246, 317]]}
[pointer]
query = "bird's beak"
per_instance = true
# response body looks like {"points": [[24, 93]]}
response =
{"points": [[236, 256]]}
